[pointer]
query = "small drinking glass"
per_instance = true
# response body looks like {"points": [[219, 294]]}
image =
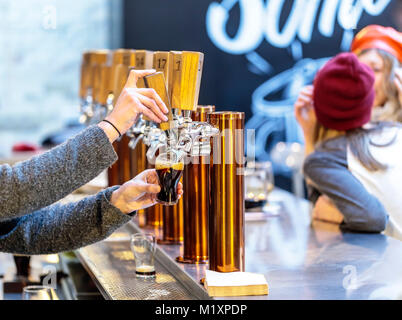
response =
{"points": [[144, 247], [169, 168], [37, 293], [259, 183]]}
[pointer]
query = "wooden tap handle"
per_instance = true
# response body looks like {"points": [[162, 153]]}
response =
{"points": [[124, 56], [175, 78], [192, 66], [105, 87], [143, 59], [160, 64], [85, 74], [156, 81], [90, 69], [120, 79]]}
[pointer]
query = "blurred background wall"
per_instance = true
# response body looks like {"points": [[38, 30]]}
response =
{"points": [[41, 42], [258, 54]]}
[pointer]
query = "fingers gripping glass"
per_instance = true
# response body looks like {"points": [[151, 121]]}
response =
{"points": [[170, 170]]}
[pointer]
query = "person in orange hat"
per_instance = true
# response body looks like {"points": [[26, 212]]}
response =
{"points": [[381, 49], [354, 167]]}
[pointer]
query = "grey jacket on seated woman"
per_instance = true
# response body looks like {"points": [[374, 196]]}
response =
{"points": [[32, 223]]}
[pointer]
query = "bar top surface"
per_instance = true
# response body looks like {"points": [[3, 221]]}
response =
{"points": [[300, 260]]}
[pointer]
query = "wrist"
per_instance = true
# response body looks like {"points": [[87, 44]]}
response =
{"points": [[116, 201], [110, 132]]}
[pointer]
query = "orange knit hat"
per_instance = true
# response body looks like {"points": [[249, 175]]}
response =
{"points": [[378, 37]]}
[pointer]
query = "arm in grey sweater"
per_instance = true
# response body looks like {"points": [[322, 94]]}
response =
{"points": [[47, 178], [62, 227], [327, 169]]}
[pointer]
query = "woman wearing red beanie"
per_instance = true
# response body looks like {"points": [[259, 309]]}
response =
{"points": [[353, 163], [381, 49]]}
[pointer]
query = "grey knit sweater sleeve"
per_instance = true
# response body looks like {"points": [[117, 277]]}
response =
{"points": [[327, 169], [47, 178], [59, 228], [30, 220]]}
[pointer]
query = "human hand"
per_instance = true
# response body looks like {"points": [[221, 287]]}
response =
{"points": [[325, 210], [131, 103], [305, 116], [139, 193], [304, 111]]}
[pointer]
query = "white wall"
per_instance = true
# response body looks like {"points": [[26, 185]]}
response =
{"points": [[41, 42]]}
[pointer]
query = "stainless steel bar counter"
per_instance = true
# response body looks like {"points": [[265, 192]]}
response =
{"points": [[300, 260]]}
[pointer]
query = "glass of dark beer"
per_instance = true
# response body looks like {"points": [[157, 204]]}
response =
{"points": [[170, 170]]}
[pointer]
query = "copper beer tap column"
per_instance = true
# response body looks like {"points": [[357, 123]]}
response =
{"points": [[196, 181], [154, 215], [138, 150], [122, 60], [226, 215], [172, 225], [184, 71]]}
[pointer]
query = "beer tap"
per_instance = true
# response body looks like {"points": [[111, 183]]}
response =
{"points": [[193, 136], [85, 95], [153, 136], [165, 136], [144, 129], [103, 93], [182, 72], [90, 69]]}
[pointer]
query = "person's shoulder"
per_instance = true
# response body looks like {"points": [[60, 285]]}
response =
{"points": [[330, 150]]}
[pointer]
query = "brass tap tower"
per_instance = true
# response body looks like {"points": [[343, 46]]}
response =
{"points": [[226, 215], [180, 75], [196, 183]]}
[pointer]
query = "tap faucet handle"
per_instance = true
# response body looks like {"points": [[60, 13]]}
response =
{"points": [[175, 81], [157, 82], [119, 80], [143, 59], [122, 60], [90, 67], [85, 74], [192, 66], [161, 64], [104, 89]]}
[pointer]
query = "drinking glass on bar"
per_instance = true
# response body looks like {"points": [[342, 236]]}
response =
{"points": [[37, 293], [143, 247], [259, 184], [170, 170]]}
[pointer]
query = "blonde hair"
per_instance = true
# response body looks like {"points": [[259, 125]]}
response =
{"points": [[358, 141], [392, 110]]}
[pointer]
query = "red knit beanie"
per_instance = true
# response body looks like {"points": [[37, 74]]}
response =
{"points": [[344, 93]]}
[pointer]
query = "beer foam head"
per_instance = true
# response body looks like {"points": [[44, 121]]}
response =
{"points": [[179, 166]]}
